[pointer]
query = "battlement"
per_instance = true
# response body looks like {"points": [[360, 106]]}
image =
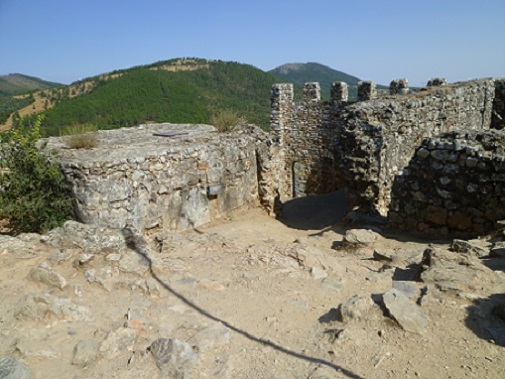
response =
{"points": [[362, 146]]}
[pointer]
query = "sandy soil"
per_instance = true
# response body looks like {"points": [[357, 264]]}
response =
{"points": [[256, 299]]}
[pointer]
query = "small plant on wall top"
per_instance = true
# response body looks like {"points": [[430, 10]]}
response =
{"points": [[225, 120], [80, 136]]}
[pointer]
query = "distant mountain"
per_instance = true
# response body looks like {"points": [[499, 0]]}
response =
{"points": [[300, 73], [15, 84], [186, 90]]}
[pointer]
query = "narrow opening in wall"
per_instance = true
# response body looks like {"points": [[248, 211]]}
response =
{"points": [[300, 176]]}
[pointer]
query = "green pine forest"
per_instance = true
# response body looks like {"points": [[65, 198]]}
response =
{"points": [[150, 93], [187, 90], [9, 104]]}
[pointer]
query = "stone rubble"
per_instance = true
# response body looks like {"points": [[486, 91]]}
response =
{"points": [[453, 185], [176, 359]]}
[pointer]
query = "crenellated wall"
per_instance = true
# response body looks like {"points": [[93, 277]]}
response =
{"points": [[182, 176], [362, 146]]}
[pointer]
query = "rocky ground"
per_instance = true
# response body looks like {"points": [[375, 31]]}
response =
{"points": [[250, 298]]}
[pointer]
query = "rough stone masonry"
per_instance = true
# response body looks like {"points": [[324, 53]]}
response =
{"points": [[182, 176], [364, 147], [167, 176]]}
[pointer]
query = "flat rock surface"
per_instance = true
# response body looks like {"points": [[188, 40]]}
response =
{"points": [[243, 300], [407, 313]]}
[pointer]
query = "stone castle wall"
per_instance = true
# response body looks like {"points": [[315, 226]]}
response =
{"points": [[329, 145], [182, 176], [379, 137], [139, 180]]}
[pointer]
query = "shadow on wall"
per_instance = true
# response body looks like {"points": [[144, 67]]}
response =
{"points": [[314, 212], [486, 318]]}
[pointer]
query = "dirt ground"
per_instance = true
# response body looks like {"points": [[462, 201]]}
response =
{"points": [[254, 298]]}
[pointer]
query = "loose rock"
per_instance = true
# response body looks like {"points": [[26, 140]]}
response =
{"points": [[469, 247], [121, 339], [405, 312], [409, 289], [90, 238], [134, 263], [212, 337], [384, 255], [39, 306], [357, 308], [175, 358], [16, 247], [358, 238], [11, 368], [85, 353], [45, 274]]}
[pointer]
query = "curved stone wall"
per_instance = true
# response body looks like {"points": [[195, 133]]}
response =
{"points": [[454, 184], [164, 175]]}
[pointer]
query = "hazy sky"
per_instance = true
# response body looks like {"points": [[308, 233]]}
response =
{"points": [[65, 40]]}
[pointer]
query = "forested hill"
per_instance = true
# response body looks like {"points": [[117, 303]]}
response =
{"points": [[300, 73], [178, 91], [15, 84]]}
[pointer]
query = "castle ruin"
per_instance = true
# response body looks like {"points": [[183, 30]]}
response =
{"points": [[429, 160]]}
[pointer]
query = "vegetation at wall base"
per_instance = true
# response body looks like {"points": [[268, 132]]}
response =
{"points": [[34, 195]]}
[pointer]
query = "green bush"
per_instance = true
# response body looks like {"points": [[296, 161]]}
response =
{"points": [[34, 195]]}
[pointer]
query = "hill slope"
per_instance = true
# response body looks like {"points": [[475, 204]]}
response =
{"points": [[178, 91], [15, 84], [300, 73]]}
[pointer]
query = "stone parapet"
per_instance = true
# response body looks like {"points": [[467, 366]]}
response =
{"points": [[328, 145], [312, 92], [167, 176], [436, 82], [340, 92], [399, 87]]}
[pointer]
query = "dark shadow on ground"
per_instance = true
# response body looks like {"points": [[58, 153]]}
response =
{"points": [[138, 244], [411, 273], [314, 212], [494, 263], [486, 318]]}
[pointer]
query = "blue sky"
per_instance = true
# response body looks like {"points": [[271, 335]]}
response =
{"points": [[65, 40]]}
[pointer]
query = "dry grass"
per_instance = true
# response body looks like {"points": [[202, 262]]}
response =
{"points": [[81, 136], [226, 120]]}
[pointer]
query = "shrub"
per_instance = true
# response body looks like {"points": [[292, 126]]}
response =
{"points": [[34, 195], [80, 136], [225, 120]]}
